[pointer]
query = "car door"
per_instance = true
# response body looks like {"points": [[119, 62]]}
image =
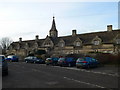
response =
{"points": [[89, 60], [94, 62], [35, 59], [31, 59]]}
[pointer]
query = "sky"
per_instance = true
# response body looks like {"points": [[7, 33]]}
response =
{"points": [[27, 19]]}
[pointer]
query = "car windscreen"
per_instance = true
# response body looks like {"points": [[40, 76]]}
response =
{"points": [[28, 58], [34, 57], [55, 59], [80, 59], [14, 56], [69, 59], [9, 56], [2, 58]]}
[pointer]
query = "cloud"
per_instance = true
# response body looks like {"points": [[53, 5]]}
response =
{"points": [[59, 0], [27, 19]]}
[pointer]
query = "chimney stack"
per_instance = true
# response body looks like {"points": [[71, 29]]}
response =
{"points": [[109, 27], [20, 39], [37, 37], [74, 33]]}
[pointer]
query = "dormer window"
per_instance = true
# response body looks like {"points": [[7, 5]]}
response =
{"points": [[36, 45], [19, 46], [61, 44], [96, 42], [78, 43], [118, 41]]}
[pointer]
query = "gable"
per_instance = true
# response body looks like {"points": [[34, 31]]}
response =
{"points": [[78, 42], [61, 43], [97, 41], [117, 39], [48, 42]]}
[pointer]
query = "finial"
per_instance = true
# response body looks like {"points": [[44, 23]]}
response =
{"points": [[53, 16]]}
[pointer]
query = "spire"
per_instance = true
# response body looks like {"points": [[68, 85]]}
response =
{"points": [[53, 31], [53, 28]]}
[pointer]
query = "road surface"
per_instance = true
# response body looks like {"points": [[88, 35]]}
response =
{"points": [[27, 75]]}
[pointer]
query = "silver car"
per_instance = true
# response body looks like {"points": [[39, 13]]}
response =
{"points": [[4, 65]]}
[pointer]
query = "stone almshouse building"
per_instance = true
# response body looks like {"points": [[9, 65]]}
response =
{"points": [[107, 42]]}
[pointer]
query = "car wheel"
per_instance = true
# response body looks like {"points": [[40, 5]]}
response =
{"points": [[26, 61], [53, 64], [34, 62], [69, 65], [77, 66], [6, 73], [88, 67], [61, 65]]}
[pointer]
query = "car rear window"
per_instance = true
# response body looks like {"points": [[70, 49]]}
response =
{"points": [[49, 59], [69, 59], [81, 59]]}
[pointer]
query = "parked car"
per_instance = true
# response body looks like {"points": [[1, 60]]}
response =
{"points": [[33, 59], [86, 62], [3, 65], [12, 58], [51, 61], [67, 61]]}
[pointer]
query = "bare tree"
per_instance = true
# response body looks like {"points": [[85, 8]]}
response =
{"points": [[5, 43]]}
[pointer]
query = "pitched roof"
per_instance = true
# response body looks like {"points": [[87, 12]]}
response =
{"points": [[105, 36], [53, 28]]}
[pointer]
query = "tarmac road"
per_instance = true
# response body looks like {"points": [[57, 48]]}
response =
{"points": [[27, 75]]}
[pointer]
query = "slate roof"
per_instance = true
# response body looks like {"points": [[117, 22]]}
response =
{"points": [[105, 36]]}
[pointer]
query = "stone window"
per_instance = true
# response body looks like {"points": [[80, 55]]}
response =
{"points": [[118, 41], [18, 46], [96, 42], [61, 44], [47, 44], [36, 45], [78, 43], [11, 47], [26, 46]]}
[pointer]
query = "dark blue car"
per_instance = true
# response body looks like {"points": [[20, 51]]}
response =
{"points": [[52, 61], [12, 58], [3, 65], [67, 61], [33, 59], [86, 62]]}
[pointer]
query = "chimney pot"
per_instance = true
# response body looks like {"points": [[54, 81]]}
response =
{"points": [[20, 39], [37, 37], [74, 33], [109, 27]]}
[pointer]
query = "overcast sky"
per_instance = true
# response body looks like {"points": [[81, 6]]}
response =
{"points": [[29, 18]]}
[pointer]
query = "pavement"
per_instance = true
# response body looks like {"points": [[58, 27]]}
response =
{"points": [[27, 75]]}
